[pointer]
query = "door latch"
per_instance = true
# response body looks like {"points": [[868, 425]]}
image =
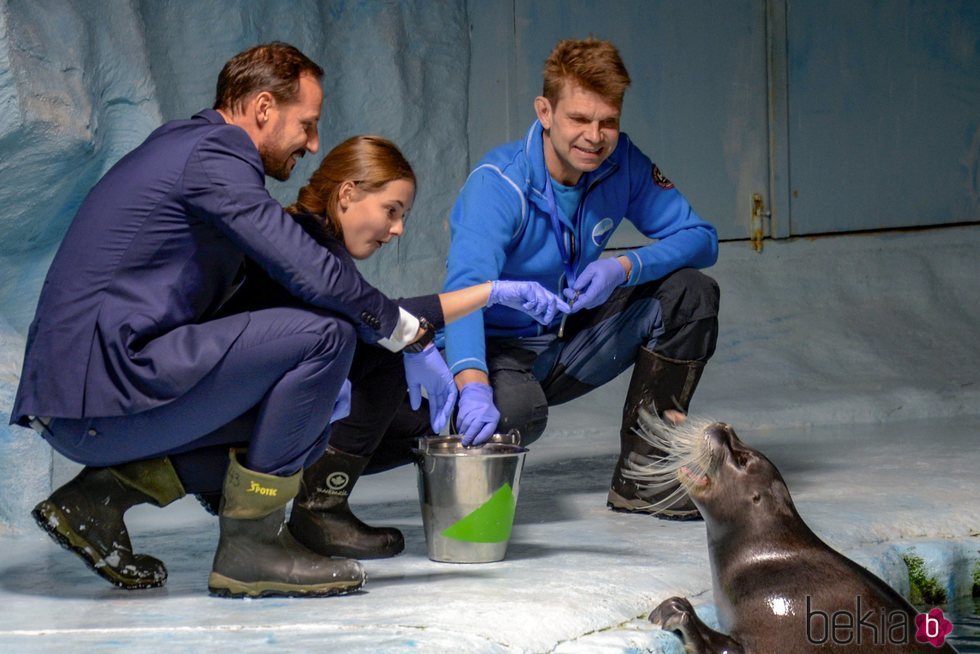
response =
{"points": [[759, 215]]}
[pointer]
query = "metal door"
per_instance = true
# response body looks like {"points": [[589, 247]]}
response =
{"points": [[884, 113], [836, 115]]}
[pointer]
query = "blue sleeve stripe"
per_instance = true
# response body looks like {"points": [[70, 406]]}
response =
{"points": [[468, 363], [637, 271]]}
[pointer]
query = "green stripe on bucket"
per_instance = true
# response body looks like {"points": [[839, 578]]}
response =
{"points": [[490, 523]]}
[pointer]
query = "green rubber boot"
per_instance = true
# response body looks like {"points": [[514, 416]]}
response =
{"points": [[85, 516], [257, 556]]}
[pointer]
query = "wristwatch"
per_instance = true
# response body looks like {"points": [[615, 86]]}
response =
{"points": [[428, 335]]}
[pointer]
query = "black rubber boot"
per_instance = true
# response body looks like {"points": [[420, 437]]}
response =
{"points": [[658, 383], [322, 519], [257, 556], [85, 516], [210, 501]]}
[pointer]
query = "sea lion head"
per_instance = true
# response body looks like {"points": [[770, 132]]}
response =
{"points": [[727, 480]]}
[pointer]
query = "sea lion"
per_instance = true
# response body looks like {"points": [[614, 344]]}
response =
{"points": [[778, 588]]}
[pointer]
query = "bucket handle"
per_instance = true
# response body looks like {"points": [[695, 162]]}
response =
{"points": [[512, 437], [418, 452]]}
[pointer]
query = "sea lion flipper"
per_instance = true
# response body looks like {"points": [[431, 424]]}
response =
{"points": [[676, 614]]}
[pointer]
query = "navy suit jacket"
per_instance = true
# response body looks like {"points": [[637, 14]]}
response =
{"points": [[122, 323]]}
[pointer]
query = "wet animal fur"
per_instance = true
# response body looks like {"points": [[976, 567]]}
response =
{"points": [[767, 565]]}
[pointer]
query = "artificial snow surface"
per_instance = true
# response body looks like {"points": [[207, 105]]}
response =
{"points": [[577, 577], [861, 388]]}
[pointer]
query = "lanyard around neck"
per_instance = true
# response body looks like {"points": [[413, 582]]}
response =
{"points": [[565, 239]]}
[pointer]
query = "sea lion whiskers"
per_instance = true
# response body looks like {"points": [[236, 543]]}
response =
{"points": [[682, 453]]}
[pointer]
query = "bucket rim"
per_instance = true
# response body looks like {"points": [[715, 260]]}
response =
{"points": [[512, 450], [499, 445]]}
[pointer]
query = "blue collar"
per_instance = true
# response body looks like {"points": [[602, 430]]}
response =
{"points": [[210, 115], [537, 171]]}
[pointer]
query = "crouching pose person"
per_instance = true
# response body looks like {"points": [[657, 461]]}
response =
{"points": [[544, 207], [132, 369], [355, 203]]}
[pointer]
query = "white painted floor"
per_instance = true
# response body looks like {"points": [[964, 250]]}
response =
{"points": [[577, 578], [850, 362]]}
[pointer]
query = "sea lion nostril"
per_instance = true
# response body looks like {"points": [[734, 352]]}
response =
{"points": [[717, 432]]}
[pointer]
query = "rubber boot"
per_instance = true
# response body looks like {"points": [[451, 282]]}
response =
{"points": [[85, 516], [322, 519], [210, 501], [257, 556], [658, 383]]}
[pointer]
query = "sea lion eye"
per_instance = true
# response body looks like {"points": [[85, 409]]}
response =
{"points": [[741, 459], [756, 498]]}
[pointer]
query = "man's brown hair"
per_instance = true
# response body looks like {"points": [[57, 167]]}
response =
{"points": [[592, 64], [274, 67]]}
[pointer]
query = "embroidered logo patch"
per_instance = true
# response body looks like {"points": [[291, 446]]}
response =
{"points": [[601, 229], [337, 481], [660, 180]]}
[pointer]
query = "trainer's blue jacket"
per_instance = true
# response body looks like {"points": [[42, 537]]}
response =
{"points": [[123, 323], [501, 228]]}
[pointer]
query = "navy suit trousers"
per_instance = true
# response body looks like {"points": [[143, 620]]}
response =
{"points": [[273, 391]]}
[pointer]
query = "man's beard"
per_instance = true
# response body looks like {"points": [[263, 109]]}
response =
{"points": [[277, 165]]}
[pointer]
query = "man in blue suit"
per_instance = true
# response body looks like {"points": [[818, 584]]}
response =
{"points": [[129, 371]]}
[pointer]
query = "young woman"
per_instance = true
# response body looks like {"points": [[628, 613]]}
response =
{"points": [[356, 203]]}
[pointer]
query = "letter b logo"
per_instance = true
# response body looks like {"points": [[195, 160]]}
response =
{"points": [[932, 627]]}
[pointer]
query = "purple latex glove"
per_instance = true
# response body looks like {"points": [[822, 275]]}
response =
{"points": [[530, 297], [596, 283], [478, 417], [427, 369], [341, 407]]}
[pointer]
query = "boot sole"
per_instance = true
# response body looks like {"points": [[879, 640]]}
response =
{"points": [[222, 586], [52, 520], [620, 504]]}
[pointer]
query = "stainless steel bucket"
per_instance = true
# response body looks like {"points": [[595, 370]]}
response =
{"points": [[468, 496]]}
